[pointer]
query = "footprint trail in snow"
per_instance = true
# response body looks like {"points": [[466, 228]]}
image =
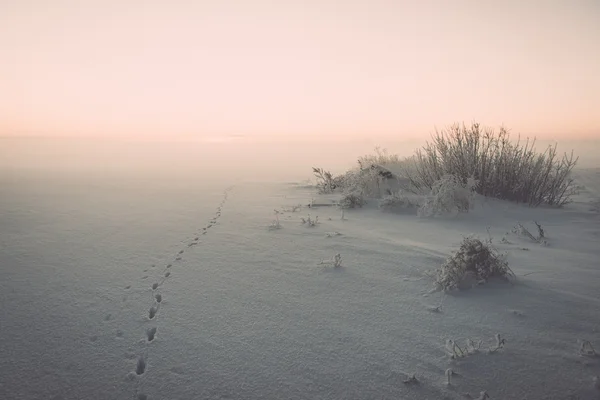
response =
{"points": [[153, 313]]}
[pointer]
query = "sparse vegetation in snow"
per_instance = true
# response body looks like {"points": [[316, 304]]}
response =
{"points": [[521, 231], [400, 201], [276, 224], [474, 263], [504, 169], [586, 349], [308, 221], [412, 380], [448, 196], [352, 199], [336, 262], [326, 183]]}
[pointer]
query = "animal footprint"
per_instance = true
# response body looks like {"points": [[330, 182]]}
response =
{"points": [[151, 333], [167, 274], [158, 297], [127, 287], [178, 259], [180, 251], [108, 317], [152, 312], [154, 286], [141, 366], [169, 266]]}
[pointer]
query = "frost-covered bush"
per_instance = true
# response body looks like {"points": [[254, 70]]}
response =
{"points": [[399, 201], [364, 181], [381, 157], [505, 169], [326, 182], [352, 199], [449, 196], [474, 263]]}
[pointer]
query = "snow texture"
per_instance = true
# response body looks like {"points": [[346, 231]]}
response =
{"points": [[160, 290]]}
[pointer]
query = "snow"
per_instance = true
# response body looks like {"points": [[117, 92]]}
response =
{"points": [[250, 312]]}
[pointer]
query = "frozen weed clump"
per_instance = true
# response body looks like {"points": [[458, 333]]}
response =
{"points": [[326, 183], [522, 231], [352, 199], [482, 396], [336, 261], [293, 209], [399, 201], [454, 350], [412, 380], [275, 224], [309, 221], [332, 234], [500, 342], [474, 263], [472, 347], [586, 349], [449, 196]]}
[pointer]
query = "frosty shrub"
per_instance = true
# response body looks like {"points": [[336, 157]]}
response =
{"points": [[352, 199], [399, 201], [326, 182], [449, 196], [364, 181], [381, 157], [505, 169], [474, 263]]}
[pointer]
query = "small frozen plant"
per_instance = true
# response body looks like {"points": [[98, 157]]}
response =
{"points": [[454, 350], [275, 224], [473, 346], [520, 230], [449, 374], [482, 396], [332, 234], [309, 221], [474, 263], [540, 230], [412, 380], [586, 349], [336, 261], [498, 345], [293, 209]]}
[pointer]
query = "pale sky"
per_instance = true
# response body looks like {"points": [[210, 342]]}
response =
{"points": [[350, 68]]}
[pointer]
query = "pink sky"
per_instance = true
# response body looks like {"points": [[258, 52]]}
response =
{"points": [[349, 68]]}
